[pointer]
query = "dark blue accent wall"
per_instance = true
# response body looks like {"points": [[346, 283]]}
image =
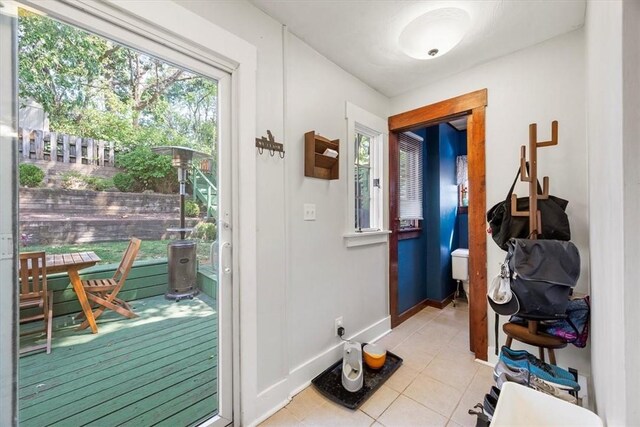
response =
{"points": [[424, 262], [412, 265]]}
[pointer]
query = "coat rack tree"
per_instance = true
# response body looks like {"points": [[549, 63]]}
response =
{"points": [[529, 335]]}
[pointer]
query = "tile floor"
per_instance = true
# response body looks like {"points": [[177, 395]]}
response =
{"points": [[436, 385]]}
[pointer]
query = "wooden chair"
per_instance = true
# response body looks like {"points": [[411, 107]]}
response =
{"points": [[35, 295], [104, 292]]}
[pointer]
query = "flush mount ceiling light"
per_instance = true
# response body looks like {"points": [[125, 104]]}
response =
{"points": [[435, 33]]}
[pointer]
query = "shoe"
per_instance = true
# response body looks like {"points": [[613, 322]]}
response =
{"points": [[495, 392], [531, 381], [525, 377], [523, 354], [549, 373], [489, 405]]}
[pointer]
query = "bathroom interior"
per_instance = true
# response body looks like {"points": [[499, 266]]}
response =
{"points": [[434, 240]]}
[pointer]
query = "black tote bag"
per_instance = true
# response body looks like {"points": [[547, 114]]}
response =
{"points": [[555, 223]]}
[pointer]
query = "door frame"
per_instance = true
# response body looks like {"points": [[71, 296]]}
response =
{"points": [[181, 32], [473, 106]]}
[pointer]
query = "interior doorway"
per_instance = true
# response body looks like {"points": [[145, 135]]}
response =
{"points": [[472, 106]]}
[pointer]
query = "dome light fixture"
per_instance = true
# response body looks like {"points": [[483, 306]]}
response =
{"points": [[434, 33]]}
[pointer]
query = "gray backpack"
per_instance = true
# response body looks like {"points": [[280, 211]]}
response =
{"points": [[542, 274]]}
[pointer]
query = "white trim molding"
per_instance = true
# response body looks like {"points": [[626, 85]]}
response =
{"points": [[363, 238], [360, 120]]}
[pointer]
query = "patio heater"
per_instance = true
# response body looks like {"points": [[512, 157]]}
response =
{"points": [[181, 253]]}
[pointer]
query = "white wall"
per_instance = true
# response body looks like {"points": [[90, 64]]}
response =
{"points": [[613, 126], [535, 85], [306, 275]]}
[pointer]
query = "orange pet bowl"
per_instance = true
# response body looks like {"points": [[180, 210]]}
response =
{"points": [[374, 356]]}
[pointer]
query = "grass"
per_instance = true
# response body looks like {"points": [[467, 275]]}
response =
{"points": [[111, 252]]}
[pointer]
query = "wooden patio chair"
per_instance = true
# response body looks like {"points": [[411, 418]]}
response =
{"points": [[104, 292], [35, 295]]}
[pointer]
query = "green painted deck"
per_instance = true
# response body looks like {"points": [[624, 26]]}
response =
{"points": [[158, 369]]}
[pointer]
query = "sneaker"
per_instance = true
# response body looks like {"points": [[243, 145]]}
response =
{"points": [[524, 376], [504, 374], [523, 354], [548, 373]]}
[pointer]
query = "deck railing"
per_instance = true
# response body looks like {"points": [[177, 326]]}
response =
{"points": [[60, 147]]}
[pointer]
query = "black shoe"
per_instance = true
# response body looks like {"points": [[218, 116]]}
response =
{"points": [[489, 405], [494, 392]]}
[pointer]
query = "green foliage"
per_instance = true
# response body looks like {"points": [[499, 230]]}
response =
{"points": [[205, 231], [148, 170], [74, 180], [191, 208], [123, 182], [30, 175], [92, 87]]}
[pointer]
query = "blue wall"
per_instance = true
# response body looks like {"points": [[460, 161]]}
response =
{"points": [[412, 255], [424, 262]]}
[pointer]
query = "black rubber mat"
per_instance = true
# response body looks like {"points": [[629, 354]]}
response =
{"points": [[329, 382]]}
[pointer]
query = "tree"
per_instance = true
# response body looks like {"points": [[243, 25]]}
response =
{"points": [[92, 87]]}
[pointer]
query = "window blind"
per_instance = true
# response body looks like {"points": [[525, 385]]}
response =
{"points": [[410, 178]]}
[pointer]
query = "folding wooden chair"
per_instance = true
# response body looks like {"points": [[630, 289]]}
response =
{"points": [[104, 292], [35, 295]]}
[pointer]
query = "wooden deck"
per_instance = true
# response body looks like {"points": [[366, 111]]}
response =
{"points": [[158, 369]]}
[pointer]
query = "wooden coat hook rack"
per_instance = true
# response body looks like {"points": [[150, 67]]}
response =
{"points": [[530, 335], [530, 175]]}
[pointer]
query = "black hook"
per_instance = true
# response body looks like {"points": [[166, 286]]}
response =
{"points": [[272, 152], [282, 154], [260, 150]]}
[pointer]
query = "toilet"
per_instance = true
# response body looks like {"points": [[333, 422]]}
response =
{"points": [[460, 267]]}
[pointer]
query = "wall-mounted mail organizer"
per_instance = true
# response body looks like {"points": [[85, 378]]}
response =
{"points": [[270, 144]]}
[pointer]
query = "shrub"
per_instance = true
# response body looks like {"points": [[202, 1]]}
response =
{"points": [[191, 208], [30, 175], [205, 231], [123, 182], [148, 170], [74, 180]]}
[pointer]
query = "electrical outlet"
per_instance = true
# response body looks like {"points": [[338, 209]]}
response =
{"points": [[337, 324], [309, 212]]}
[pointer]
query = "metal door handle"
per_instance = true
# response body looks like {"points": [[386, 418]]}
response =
{"points": [[226, 258]]}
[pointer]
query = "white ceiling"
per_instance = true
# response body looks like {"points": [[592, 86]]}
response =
{"points": [[361, 36]]}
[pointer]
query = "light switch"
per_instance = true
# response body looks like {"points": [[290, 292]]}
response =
{"points": [[309, 212]]}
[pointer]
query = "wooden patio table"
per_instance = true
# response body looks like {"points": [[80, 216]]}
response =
{"points": [[72, 263]]}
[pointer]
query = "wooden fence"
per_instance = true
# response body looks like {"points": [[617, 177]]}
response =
{"points": [[59, 147]]}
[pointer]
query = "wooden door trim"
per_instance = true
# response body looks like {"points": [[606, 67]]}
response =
{"points": [[472, 105]]}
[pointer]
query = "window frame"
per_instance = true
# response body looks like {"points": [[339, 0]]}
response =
{"points": [[366, 123]]}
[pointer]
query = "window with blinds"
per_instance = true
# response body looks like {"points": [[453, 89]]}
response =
{"points": [[410, 191]]}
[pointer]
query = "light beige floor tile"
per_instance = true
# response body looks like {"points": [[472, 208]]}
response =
{"points": [[401, 378], [376, 424], [453, 424], [480, 385], [411, 325], [421, 343], [461, 413], [282, 418], [455, 373], [413, 357], [438, 332], [381, 399], [434, 394], [460, 341], [305, 402], [332, 414], [458, 355], [406, 412], [394, 338]]}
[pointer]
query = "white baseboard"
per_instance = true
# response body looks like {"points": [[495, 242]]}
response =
{"points": [[277, 396]]}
